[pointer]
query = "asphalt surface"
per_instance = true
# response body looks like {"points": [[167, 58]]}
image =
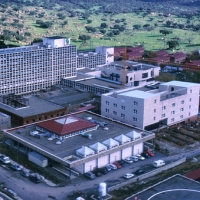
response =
{"points": [[31, 191]]}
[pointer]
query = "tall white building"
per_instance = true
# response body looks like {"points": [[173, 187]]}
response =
{"points": [[32, 68], [101, 56], [147, 108]]}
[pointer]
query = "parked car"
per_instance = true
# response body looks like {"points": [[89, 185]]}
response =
{"points": [[159, 163], [134, 158], [34, 179], [121, 162], [145, 155], [140, 157], [5, 159], [16, 167], [139, 171], [117, 165], [25, 173], [128, 175], [128, 160], [112, 166], [90, 175], [103, 170], [97, 172], [150, 153]]}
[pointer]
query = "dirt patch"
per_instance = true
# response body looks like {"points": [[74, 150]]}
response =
{"points": [[178, 139]]}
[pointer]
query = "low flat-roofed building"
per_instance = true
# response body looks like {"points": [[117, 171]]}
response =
{"points": [[173, 188], [79, 130], [33, 110], [153, 105]]}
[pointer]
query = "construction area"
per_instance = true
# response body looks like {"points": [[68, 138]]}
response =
{"points": [[178, 138]]}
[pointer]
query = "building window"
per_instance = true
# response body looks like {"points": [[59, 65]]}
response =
{"points": [[182, 109], [164, 108], [27, 122], [181, 117], [172, 119], [190, 91], [154, 100], [163, 115], [189, 114], [173, 105], [144, 75], [135, 111], [115, 112], [135, 119], [107, 110], [182, 102], [115, 105], [154, 118], [123, 107], [135, 103], [107, 102], [190, 99], [122, 115], [173, 112], [189, 106], [155, 110], [51, 115]]}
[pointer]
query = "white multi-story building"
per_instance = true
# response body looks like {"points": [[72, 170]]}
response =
{"points": [[101, 56], [32, 68], [173, 102]]}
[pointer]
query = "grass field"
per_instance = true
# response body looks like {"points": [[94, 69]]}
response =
{"points": [[152, 40]]}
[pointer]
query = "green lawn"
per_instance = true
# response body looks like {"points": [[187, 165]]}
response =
{"points": [[152, 40]]}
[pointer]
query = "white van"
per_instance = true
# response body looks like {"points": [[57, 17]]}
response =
{"points": [[158, 163]]}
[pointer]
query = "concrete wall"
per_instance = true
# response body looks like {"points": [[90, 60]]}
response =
{"points": [[147, 175]]}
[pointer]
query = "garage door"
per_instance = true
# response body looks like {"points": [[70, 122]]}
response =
{"points": [[126, 152], [138, 149], [115, 156], [103, 161], [89, 166]]}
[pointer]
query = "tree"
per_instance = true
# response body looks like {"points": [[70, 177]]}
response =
{"points": [[84, 37], [165, 32], [89, 21], [61, 16], [103, 31], [172, 44], [104, 25], [137, 26]]}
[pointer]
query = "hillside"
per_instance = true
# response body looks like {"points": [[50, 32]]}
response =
{"points": [[91, 23]]}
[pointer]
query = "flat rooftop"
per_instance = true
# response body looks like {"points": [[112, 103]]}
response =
{"points": [[71, 144], [91, 80], [36, 106], [173, 188], [132, 64]]}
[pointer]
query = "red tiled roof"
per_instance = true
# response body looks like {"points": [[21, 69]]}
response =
{"points": [[65, 129], [161, 53], [178, 55], [194, 174], [194, 62]]}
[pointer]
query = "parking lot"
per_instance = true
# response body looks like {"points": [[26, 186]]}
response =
{"points": [[24, 187]]}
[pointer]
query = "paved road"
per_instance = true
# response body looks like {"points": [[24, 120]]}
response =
{"points": [[31, 191]]}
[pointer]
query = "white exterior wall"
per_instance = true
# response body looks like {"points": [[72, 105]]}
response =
{"points": [[138, 149], [103, 161], [79, 168], [108, 51], [89, 166], [115, 156], [126, 152], [150, 108]]}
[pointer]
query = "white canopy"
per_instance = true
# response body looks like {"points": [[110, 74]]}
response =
{"points": [[98, 147], [122, 139], [110, 143], [84, 151], [134, 135]]}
